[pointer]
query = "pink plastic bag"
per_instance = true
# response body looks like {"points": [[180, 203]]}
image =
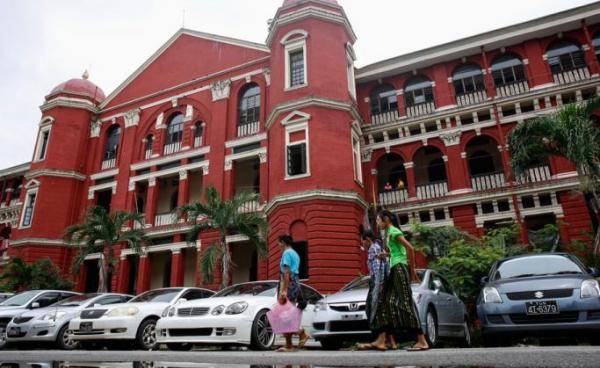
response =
{"points": [[285, 318]]}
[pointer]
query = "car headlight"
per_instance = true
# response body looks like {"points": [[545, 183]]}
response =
{"points": [[52, 316], [122, 312], [491, 295], [218, 310], [168, 312], [417, 297], [590, 289], [236, 308], [320, 306]]}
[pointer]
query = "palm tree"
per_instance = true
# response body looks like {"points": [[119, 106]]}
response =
{"points": [[227, 217], [99, 233], [573, 133]]}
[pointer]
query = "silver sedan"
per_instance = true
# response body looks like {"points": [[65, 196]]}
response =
{"points": [[341, 318]]}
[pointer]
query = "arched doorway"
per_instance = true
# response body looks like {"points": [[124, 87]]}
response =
{"points": [[391, 180], [484, 163], [431, 179]]}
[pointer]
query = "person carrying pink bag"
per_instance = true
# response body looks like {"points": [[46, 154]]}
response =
{"points": [[285, 317]]}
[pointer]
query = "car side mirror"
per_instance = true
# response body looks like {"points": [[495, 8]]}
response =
{"points": [[484, 280], [437, 286], [594, 272], [96, 305], [35, 305], [181, 300]]}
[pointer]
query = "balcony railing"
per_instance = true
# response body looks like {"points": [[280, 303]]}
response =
{"points": [[162, 219], [148, 154], [172, 148], [384, 117], [512, 89], [471, 98], [9, 215], [420, 109], [393, 197], [198, 141], [109, 164], [251, 206], [487, 181], [571, 76], [138, 225], [248, 129], [535, 174], [432, 190]]}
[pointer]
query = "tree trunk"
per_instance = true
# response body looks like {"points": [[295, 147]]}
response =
{"points": [[226, 264], [102, 277]]}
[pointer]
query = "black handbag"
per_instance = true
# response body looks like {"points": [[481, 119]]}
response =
{"points": [[302, 302]]}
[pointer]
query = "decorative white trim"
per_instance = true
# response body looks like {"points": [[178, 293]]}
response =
{"points": [[105, 174], [238, 238], [298, 126], [451, 138], [170, 171], [15, 170], [246, 140], [171, 158], [292, 47], [132, 117], [55, 173], [229, 159], [286, 38], [40, 241], [95, 188], [32, 190], [220, 89], [77, 103], [311, 101], [173, 247], [295, 117], [30, 184], [44, 128], [324, 194]]}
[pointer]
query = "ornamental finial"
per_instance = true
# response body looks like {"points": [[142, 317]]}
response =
{"points": [[85, 75]]}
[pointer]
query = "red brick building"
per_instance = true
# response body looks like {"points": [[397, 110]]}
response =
{"points": [[423, 134]]}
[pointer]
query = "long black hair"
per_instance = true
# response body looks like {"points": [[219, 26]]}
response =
{"points": [[392, 217]]}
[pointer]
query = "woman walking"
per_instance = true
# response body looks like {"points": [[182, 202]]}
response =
{"points": [[397, 312], [289, 290]]}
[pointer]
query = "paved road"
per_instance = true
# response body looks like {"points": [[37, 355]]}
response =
{"points": [[563, 356]]}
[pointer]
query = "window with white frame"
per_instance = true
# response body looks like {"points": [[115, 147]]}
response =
{"points": [[356, 158], [351, 79], [27, 216], [297, 157], [42, 143], [296, 74]]}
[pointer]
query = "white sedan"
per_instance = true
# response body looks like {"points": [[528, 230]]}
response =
{"points": [[235, 315], [134, 321]]}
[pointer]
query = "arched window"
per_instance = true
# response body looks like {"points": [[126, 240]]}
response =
{"points": [[596, 43], [174, 134], [148, 146], [249, 105], [383, 99], [507, 69], [111, 147], [468, 79], [198, 132], [418, 90], [564, 56]]}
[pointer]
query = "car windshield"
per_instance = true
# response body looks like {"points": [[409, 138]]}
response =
{"points": [[156, 296], [19, 299], [543, 265], [356, 284], [254, 289], [76, 300]]}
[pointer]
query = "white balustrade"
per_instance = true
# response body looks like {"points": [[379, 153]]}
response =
{"points": [[420, 109], [393, 197], [109, 164], [250, 206], [162, 219], [487, 181], [248, 129], [198, 141], [471, 98], [571, 76], [384, 117], [535, 174], [512, 89], [432, 190], [172, 148], [148, 154], [140, 225]]}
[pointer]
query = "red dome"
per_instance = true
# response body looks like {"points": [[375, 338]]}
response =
{"points": [[79, 86]]}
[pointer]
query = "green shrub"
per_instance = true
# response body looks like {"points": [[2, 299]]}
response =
{"points": [[42, 274]]}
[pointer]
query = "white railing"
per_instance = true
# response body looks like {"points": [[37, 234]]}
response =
{"points": [[535, 174], [571, 76], [9, 215], [471, 98], [250, 206], [420, 109], [432, 190], [162, 219], [248, 129], [138, 225], [393, 197], [109, 164], [14, 202], [148, 154], [198, 141], [172, 148], [384, 117], [487, 181], [512, 89]]}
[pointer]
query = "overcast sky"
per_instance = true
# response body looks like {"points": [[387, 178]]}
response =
{"points": [[44, 43]]}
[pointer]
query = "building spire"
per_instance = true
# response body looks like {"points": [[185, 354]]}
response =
{"points": [[85, 75]]}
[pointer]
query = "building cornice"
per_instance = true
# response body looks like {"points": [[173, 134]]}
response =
{"points": [[310, 102], [171, 158], [246, 140], [39, 241], [105, 174], [170, 171], [76, 103], [21, 169], [322, 194], [55, 173]]}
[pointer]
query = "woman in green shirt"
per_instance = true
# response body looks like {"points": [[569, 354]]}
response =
{"points": [[397, 312]]}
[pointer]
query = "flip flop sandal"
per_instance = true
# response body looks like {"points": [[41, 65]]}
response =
{"points": [[417, 348], [303, 341], [365, 347], [283, 349]]}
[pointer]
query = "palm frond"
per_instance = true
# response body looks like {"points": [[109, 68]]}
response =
{"points": [[208, 261]]}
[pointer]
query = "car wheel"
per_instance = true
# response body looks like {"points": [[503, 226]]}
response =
{"points": [[431, 328], [180, 346], [145, 339], [261, 336], [466, 341], [331, 344], [64, 339]]}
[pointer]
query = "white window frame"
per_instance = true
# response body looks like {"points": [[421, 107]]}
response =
{"points": [[350, 56], [290, 46], [44, 128], [356, 158], [294, 128], [31, 191]]}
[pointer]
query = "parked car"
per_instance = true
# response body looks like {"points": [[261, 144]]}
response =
{"points": [[539, 295], [341, 317], [4, 296], [51, 324], [134, 321], [235, 315], [24, 302]]}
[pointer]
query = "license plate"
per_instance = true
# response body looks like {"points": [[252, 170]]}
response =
{"points": [[352, 317], [14, 331], [542, 307], [85, 327]]}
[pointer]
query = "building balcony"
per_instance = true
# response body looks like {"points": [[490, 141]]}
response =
{"points": [[535, 175], [163, 219], [432, 190], [487, 181], [109, 163], [384, 117], [471, 98], [10, 215], [420, 109], [571, 76], [251, 206], [138, 225], [248, 129], [172, 148], [512, 89], [393, 197], [148, 154]]}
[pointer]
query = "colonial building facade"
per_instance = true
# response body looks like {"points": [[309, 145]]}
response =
{"points": [[423, 134]]}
